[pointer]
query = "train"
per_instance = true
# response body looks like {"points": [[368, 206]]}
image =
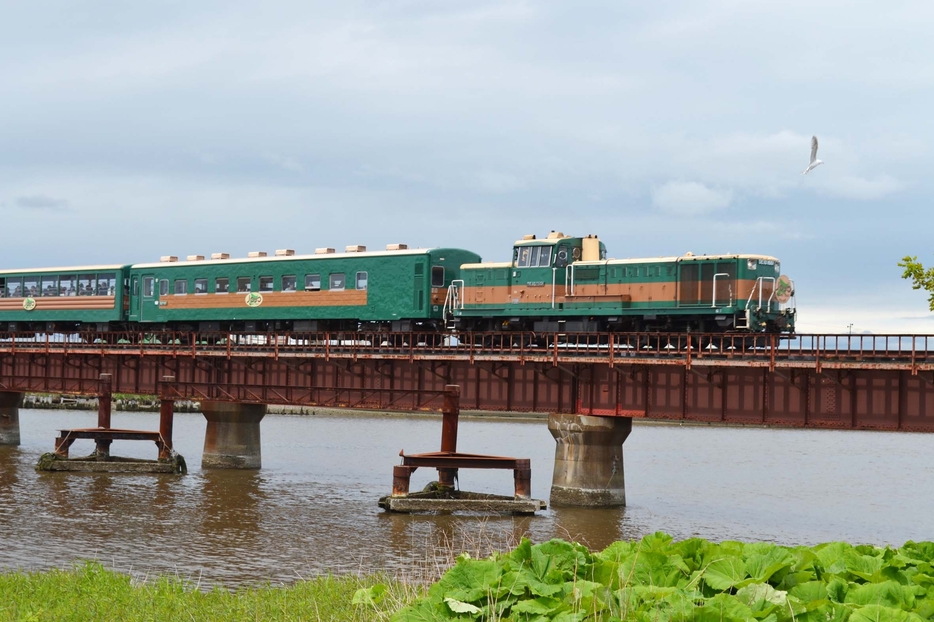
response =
{"points": [[554, 284]]}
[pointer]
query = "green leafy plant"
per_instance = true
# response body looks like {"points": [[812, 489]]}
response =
{"points": [[658, 579]]}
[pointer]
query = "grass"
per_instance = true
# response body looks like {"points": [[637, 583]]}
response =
{"points": [[92, 592]]}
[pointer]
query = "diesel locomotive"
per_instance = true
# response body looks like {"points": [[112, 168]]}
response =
{"points": [[555, 284]]}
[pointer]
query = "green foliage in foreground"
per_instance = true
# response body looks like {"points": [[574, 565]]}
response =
{"points": [[91, 592], [920, 278], [659, 580]]}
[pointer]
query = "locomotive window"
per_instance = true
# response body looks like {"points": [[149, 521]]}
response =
{"points": [[164, 287], [181, 287], [437, 276], [524, 253], [201, 286], [361, 280], [243, 284], [533, 258], [288, 283], [3, 290], [67, 284], [221, 286], [337, 281], [312, 282], [265, 283], [49, 285], [148, 286], [545, 258]]}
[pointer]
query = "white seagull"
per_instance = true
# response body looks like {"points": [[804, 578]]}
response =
{"points": [[814, 161]]}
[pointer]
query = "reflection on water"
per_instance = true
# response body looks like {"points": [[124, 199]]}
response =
{"points": [[312, 508]]}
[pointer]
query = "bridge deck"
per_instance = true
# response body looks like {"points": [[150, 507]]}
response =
{"points": [[839, 381]]}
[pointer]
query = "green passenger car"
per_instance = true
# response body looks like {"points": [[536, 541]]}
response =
{"points": [[566, 284], [397, 290], [62, 299]]}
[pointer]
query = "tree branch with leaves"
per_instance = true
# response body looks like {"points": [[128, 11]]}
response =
{"points": [[921, 278]]}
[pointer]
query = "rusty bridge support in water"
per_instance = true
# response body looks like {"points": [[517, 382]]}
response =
{"points": [[9, 417]]}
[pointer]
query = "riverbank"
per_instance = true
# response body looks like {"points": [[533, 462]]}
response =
{"points": [[147, 403], [656, 577], [92, 592]]}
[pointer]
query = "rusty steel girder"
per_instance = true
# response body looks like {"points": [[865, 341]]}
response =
{"points": [[863, 382]]}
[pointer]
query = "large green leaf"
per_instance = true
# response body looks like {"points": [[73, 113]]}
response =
{"points": [[810, 591], [725, 573], [761, 566], [879, 613], [888, 594]]}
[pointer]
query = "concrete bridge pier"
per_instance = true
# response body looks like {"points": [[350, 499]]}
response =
{"points": [[232, 439], [588, 460], [9, 417]]}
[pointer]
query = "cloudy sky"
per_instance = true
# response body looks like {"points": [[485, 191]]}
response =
{"points": [[134, 130]]}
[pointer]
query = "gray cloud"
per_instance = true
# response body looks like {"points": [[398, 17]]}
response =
{"points": [[41, 202]]}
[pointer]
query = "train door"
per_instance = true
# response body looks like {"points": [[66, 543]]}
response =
{"points": [[724, 284], [131, 301], [418, 291], [148, 299]]}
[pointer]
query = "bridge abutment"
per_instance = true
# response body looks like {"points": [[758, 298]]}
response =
{"points": [[588, 460], [9, 417], [232, 438]]}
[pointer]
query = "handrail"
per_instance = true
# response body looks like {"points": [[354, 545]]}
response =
{"points": [[453, 298], [753, 291]]}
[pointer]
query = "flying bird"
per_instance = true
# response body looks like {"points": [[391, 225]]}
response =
{"points": [[814, 161]]}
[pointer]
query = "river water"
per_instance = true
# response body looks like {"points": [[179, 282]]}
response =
{"points": [[312, 507]]}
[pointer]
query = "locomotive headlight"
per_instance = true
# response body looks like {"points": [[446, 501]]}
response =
{"points": [[751, 264]]}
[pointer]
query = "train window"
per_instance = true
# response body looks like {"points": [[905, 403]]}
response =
{"points": [[30, 286], [107, 284], [437, 276], [3, 290], [67, 283], [49, 285], [149, 286], [181, 287], [545, 258], [86, 284], [13, 288], [312, 282], [265, 283], [201, 286], [524, 254], [533, 258], [561, 256], [337, 281], [221, 285], [361, 280], [164, 287], [244, 284], [288, 283]]}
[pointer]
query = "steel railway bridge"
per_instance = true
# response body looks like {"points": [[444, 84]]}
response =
{"points": [[853, 382]]}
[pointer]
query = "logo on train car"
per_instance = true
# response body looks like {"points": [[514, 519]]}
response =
{"points": [[29, 304], [783, 289], [253, 300]]}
